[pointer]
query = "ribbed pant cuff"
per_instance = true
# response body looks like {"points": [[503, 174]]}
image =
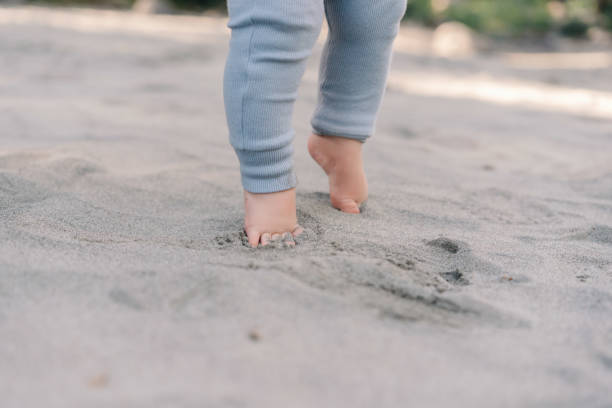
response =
{"points": [[326, 130], [267, 171]]}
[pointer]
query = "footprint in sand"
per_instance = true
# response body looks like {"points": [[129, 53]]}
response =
{"points": [[601, 234], [446, 244]]}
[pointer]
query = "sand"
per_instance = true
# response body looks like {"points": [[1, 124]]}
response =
{"points": [[480, 273]]}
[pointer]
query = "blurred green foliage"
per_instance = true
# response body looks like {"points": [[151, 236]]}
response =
{"points": [[605, 10], [512, 17], [492, 17], [574, 28], [516, 17], [420, 10]]}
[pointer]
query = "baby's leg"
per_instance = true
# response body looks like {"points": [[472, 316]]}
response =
{"points": [[270, 42], [352, 77]]}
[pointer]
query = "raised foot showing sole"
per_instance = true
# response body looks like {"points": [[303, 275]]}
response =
{"points": [[341, 159]]}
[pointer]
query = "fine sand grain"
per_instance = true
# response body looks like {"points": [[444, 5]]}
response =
{"points": [[479, 274]]}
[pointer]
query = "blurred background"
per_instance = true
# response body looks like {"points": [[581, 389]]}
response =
{"points": [[480, 275], [572, 18]]}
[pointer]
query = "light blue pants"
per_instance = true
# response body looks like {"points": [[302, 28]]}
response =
{"points": [[270, 43]]}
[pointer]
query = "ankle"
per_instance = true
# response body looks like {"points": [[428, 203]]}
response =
{"points": [[328, 151]]}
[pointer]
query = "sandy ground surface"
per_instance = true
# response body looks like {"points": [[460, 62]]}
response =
{"points": [[480, 273]]}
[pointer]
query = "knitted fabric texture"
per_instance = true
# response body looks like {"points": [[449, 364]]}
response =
{"points": [[270, 43]]}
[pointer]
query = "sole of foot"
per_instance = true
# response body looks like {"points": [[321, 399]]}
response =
{"points": [[270, 218], [341, 159]]}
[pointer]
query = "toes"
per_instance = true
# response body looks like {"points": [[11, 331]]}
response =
{"points": [[262, 240], [348, 206], [288, 239], [265, 238], [253, 237]]}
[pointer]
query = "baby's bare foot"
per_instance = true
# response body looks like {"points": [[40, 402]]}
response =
{"points": [[341, 160], [270, 217]]}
